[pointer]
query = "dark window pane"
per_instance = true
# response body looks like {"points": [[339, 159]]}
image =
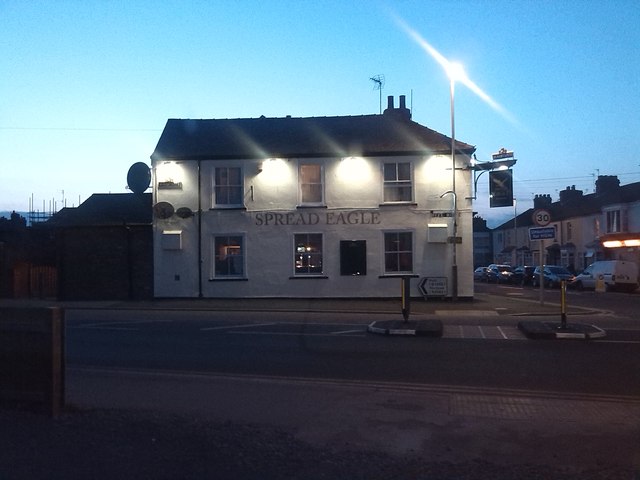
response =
{"points": [[353, 257], [404, 171], [390, 172]]}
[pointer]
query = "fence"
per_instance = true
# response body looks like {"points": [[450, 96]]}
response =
{"points": [[32, 358]]}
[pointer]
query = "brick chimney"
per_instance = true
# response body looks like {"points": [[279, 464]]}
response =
{"points": [[542, 201], [570, 195], [402, 112], [607, 184]]}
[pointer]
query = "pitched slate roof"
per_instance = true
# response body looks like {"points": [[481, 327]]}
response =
{"points": [[581, 205], [367, 135], [106, 209]]}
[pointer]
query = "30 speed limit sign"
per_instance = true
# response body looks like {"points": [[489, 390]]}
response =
{"points": [[541, 217]]}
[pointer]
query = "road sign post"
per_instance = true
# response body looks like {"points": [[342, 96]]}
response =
{"points": [[541, 218]]}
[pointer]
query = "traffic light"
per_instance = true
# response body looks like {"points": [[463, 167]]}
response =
{"points": [[501, 188]]}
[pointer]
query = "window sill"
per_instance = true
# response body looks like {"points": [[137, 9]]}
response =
{"points": [[395, 204], [399, 275], [322, 205], [229, 279], [309, 277], [231, 207]]}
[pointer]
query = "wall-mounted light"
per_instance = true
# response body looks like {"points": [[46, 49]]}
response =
{"points": [[354, 169], [274, 170], [170, 175]]}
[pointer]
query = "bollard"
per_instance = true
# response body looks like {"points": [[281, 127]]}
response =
{"points": [[406, 297], [563, 304]]}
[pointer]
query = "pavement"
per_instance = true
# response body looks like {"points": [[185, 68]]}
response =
{"points": [[435, 423]]}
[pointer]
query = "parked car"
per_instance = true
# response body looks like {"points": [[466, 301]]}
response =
{"points": [[553, 276], [480, 274], [615, 274], [499, 273], [523, 275]]}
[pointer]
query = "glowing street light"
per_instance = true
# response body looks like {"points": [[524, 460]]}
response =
{"points": [[455, 71]]}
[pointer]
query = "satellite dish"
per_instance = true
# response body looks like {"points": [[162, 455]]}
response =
{"points": [[139, 177], [184, 212], [163, 210]]}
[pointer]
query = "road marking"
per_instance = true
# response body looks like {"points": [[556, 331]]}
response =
{"points": [[485, 332], [466, 313], [502, 333], [248, 325], [347, 331], [297, 334]]}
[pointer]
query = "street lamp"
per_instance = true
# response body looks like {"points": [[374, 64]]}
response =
{"points": [[455, 71], [454, 240]]}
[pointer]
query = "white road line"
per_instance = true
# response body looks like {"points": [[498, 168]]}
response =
{"points": [[249, 325], [481, 332], [502, 333], [294, 334], [347, 331]]}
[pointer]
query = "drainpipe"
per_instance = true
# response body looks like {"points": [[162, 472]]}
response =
{"points": [[199, 232]]}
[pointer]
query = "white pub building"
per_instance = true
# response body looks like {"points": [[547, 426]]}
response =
{"points": [[333, 207]]}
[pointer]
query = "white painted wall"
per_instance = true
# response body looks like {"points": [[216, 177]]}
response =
{"points": [[271, 192]]}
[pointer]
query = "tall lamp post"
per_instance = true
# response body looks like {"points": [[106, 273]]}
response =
{"points": [[455, 71], [454, 262]]}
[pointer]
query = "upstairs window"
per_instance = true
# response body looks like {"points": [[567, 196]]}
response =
{"points": [[397, 182], [311, 184], [398, 252], [228, 187], [614, 224]]}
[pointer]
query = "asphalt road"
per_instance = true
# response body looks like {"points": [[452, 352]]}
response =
{"points": [[622, 305], [337, 346]]}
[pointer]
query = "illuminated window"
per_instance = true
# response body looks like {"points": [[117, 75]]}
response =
{"points": [[311, 187], [228, 187], [398, 252], [613, 221], [228, 256], [397, 182], [308, 253]]}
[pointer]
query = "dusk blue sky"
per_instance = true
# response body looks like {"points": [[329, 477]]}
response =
{"points": [[87, 86]]}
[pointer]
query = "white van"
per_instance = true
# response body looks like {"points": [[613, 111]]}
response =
{"points": [[616, 275]]}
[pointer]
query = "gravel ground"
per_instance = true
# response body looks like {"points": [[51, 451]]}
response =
{"points": [[113, 444]]}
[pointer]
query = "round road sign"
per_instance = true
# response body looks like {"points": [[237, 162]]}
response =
{"points": [[541, 217]]}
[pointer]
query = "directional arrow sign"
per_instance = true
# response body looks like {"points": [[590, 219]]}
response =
{"points": [[542, 233], [433, 286]]}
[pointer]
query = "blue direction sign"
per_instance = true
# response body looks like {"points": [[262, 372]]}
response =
{"points": [[542, 233]]}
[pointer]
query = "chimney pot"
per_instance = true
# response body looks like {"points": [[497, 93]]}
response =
{"points": [[403, 101], [390, 102]]}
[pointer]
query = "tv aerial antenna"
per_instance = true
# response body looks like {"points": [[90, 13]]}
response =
{"points": [[378, 84]]}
